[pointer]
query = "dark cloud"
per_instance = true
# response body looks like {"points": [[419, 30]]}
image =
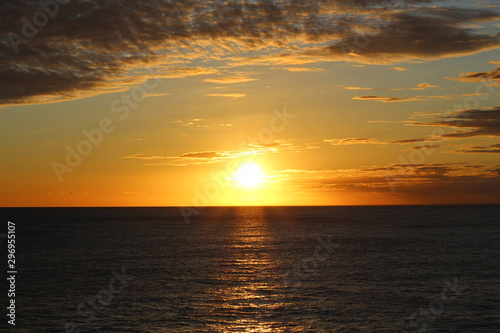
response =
{"points": [[353, 141], [210, 154], [423, 33], [408, 141], [493, 75], [387, 99], [89, 47], [425, 147], [426, 183], [372, 141], [477, 149], [478, 122]]}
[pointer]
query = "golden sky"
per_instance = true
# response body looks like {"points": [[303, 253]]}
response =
{"points": [[264, 102]]}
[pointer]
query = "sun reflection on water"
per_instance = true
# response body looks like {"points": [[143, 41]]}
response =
{"points": [[251, 292]]}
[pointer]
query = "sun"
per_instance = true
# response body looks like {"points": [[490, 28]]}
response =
{"points": [[249, 175]]}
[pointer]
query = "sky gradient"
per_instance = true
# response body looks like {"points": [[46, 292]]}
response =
{"points": [[159, 103]]}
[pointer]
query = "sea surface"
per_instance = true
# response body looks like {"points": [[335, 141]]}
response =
{"points": [[255, 269]]}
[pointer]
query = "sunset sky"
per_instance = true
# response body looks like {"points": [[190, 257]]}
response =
{"points": [[329, 102]]}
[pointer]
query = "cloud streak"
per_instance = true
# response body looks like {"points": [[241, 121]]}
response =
{"points": [[461, 181], [483, 122], [231, 95], [493, 75], [478, 149], [387, 99], [209, 157]]}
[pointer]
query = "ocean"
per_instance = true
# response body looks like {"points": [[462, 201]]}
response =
{"points": [[254, 269]]}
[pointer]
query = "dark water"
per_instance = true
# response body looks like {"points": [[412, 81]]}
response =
{"points": [[299, 269]]}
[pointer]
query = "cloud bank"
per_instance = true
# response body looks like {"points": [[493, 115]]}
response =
{"points": [[87, 47]]}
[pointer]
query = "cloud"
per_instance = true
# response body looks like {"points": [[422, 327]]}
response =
{"points": [[282, 145], [423, 86], [473, 94], [205, 155], [194, 158], [272, 60], [424, 147], [485, 122], [400, 69], [408, 99], [156, 94], [303, 69], [477, 149], [208, 157], [493, 75], [95, 47], [372, 141], [38, 87], [405, 141], [226, 95], [357, 88], [429, 183], [353, 141], [231, 79], [442, 97], [145, 157], [387, 99], [417, 33], [200, 123], [71, 193], [386, 121]]}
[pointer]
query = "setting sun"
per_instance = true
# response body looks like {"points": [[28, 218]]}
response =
{"points": [[249, 175]]}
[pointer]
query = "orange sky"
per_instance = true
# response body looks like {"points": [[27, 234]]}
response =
{"points": [[338, 103]]}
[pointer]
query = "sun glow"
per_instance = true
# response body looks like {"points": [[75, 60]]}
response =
{"points": [[249, 175]]}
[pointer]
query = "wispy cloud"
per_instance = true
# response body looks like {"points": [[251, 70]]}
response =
{"points": [[156, 94], [387, 99], [484, 122], [231, 79], [372, 141], [353, 141], [405, 141], [209, 157], [232, 95], [480, 149], [425, 147], [303, 69], [493, 75], [423, 86], [461, 181], [200, 123], [357, 88]]}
